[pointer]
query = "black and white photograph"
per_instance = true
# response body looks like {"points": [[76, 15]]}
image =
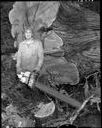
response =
{"points": [[50, 64]]}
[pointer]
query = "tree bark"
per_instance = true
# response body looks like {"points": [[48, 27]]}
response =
{"points": [[81, 36]]}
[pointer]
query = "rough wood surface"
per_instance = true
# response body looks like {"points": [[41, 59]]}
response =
{"points": [[79, 29]]}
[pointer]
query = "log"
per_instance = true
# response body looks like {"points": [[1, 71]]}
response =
{"points": [[93, 19], [82, 37], [79, 29]]}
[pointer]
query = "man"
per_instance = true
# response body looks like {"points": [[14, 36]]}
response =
{"points": [[30, 54]]}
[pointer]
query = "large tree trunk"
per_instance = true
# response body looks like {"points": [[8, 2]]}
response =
{"points": [[79, 29]]}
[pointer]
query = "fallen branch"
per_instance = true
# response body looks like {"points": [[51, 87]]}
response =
{"points": [[75, 114]]}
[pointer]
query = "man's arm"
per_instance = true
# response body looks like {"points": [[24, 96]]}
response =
{"points": [[40, 55], [19, 58]]}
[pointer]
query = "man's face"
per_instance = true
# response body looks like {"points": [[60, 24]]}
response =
{"points": [[28, 34]]}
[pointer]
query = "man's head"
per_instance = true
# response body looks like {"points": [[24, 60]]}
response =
{"points": [[28, 33]]}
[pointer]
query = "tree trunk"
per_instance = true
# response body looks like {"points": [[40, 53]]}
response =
{"points": [[81, 36]]}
